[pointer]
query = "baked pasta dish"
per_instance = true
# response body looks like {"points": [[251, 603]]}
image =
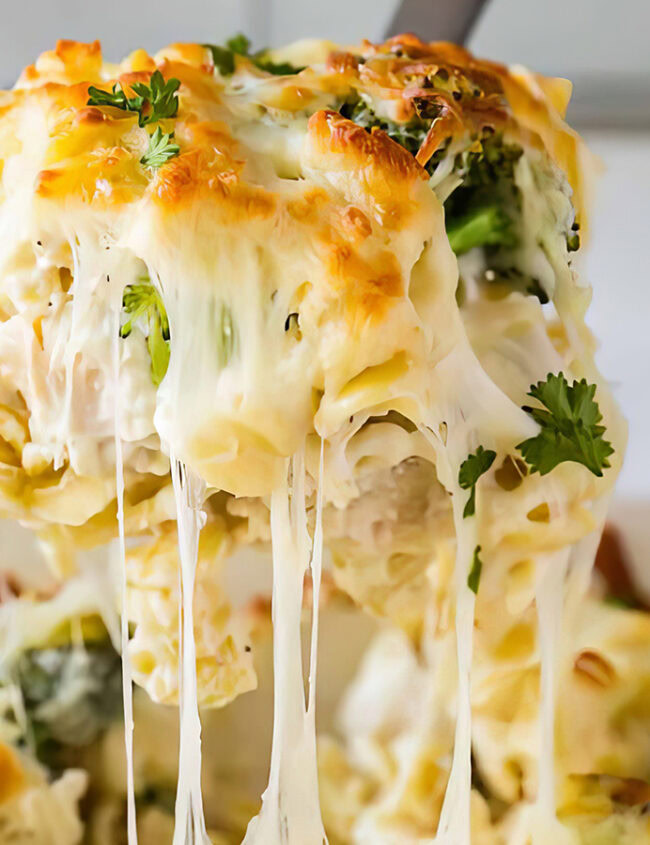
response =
{"points": [[295, 336]]}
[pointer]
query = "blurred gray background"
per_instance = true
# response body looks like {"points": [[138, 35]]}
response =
{"points": [[602, 46]]}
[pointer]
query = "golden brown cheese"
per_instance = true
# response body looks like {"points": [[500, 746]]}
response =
{"points": [[470, 94]]}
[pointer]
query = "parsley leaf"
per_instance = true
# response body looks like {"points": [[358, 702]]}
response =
{"points": [[474, 577], [115, 98], [154, 102], [239, 45], [143, 302], [160, 149], [569, 427], [276, 68], [159, 96], [222, 58], [470, 471]]}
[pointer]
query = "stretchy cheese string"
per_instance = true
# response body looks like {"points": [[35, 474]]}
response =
{"points": [[127, 683], [189, 827], [290, 813], [454, 823], [316, 567], [549, 597]]}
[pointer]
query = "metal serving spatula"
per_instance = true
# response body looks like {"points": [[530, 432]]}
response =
{"points": [[436, 20]]}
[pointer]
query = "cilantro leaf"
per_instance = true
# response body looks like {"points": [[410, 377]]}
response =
{"points": [[474, 577], [153, 102], [470, 471], [160, 149], [143, 302], [569, 429]]}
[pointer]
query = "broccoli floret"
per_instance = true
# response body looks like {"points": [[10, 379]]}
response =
{"points": [[70, 695], [485, 225], [408, 135], [476, 211], [482, 210]]}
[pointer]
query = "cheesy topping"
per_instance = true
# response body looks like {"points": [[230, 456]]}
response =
{"points": [[313, 289]]}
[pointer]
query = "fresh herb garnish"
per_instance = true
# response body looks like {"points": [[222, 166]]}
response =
{"points": [[474, 577], [115, 98], [470, 471], [161, 149], [153, 102], [276, 68], [160, 96], [143, 302], [239, 45], [569, 427], [222, 58]]}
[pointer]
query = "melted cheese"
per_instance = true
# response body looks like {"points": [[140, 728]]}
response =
{"points": [[454, 825], [190, 824], [550, 600], [290, 813], [127, 675], [312, 296]]}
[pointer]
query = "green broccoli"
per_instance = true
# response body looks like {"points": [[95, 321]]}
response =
{"points": [[70, 694], [486, 225]]}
